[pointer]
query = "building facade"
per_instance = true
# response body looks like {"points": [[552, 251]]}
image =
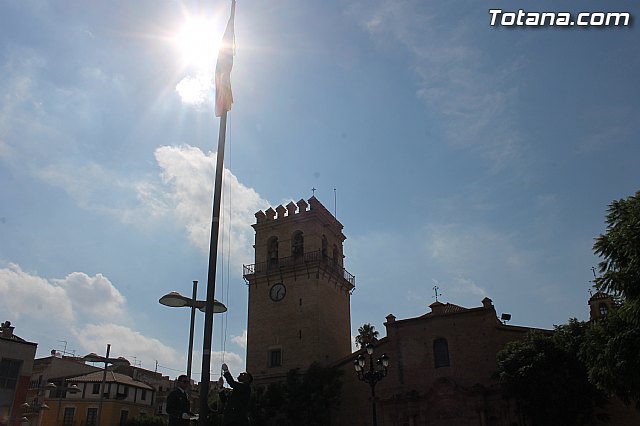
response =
{"points": [[299, 291], [442, 369], [123, 398], [16, 363]]}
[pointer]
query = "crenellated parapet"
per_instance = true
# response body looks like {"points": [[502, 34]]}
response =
{"points": [[282, 212], [314, 206]]}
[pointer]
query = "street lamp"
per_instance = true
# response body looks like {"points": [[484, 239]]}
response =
{"points": [[376, 372], [36, 405], [176, 300], [60, 389], [93, 357]]}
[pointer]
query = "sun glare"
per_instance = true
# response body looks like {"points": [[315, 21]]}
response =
{"points": [[198, 43]]}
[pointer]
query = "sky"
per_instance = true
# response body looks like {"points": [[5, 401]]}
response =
{"points": [[477, 159]]}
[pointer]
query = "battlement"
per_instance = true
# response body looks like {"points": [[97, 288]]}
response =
{"points": [[292, 209]]}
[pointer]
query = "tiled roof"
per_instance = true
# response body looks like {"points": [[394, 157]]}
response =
{"points": [[450, 308], [96, 377]]}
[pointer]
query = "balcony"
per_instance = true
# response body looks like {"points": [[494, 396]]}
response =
{"points": [[308, 259]]}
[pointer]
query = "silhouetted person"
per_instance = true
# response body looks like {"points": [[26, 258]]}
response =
{"points": [[236, 410], [178, 406]]}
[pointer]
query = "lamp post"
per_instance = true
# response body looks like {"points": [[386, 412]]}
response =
{"points": [[36, 405], [176, 300], [60, 389], [93, 357], [376, 372]]}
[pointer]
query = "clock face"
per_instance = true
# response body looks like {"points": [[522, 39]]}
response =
{"points": [[277, 292]]}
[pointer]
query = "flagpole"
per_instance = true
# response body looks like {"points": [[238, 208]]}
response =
{"points": [[211, 280]]}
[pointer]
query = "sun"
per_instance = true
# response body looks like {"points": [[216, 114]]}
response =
{"points": [[198, 42]]}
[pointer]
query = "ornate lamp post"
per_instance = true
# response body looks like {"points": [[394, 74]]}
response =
{"points": [[93, 357], [37, 405], [176, 300], [376, 372]]}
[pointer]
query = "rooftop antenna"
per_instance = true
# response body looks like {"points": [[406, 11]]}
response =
{"points": [[64, 350], [435, 289]]}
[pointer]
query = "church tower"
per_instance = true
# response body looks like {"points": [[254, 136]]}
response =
{"points": [[299, 291]]}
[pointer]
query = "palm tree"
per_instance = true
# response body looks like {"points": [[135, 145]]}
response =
{"points": [[366, 334]]}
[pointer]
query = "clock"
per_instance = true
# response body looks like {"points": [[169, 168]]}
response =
{"points": [[277, 292]]}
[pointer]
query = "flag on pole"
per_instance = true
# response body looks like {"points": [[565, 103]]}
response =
{"points": [[224, 97]]}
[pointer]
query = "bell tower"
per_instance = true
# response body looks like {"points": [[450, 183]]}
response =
{"points": [[299, 291]]}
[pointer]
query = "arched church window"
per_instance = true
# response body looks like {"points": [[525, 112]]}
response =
{"points": [[336, 254], [297, 245], [441, 353], [604, 309], [325, 243], [272, 251]]}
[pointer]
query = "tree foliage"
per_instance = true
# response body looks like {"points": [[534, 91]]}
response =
{"points": [[612, 348], [545, 376], [619, 248], [611, 352], [366, 334], [303, 399]]}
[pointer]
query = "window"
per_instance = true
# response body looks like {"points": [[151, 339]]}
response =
{"points": [[604, 309], [335, 255], [143, 394], [297, 244], [9, 370], [69, 412], [92, 416], [275, 358], [324, 247], [272, 251], [96, 389], [441, 353]]}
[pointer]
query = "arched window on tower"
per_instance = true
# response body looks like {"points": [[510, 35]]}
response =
{"points": [[336, 254], [440, 353], [325, 243], [297, 245], [272, 251], [604, 309]]}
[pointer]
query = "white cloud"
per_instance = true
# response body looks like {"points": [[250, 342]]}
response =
{"points": [[27, 295], [93, 296], [126, 342], [76, 297], [186, 193], [55, 307], [240, 340], [196, 91], [454, 77]]}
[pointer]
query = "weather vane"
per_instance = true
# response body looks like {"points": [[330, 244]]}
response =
{"points": [[435, 289]]}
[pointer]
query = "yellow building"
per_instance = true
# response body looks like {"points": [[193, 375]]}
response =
{"points": [[123, 398]]}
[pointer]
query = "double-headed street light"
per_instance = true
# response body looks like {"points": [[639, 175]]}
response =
{"points": [[376, 372], [176, 300], [61, 390], [36, 405], [93, 357]]}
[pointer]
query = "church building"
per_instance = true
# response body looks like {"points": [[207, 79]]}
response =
{"points": [[441, 364]]}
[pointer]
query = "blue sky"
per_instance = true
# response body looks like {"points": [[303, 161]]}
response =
{"points": [[476, 158]]}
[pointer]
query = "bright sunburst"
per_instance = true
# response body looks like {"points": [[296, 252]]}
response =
{"points": [[198, 42]]}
